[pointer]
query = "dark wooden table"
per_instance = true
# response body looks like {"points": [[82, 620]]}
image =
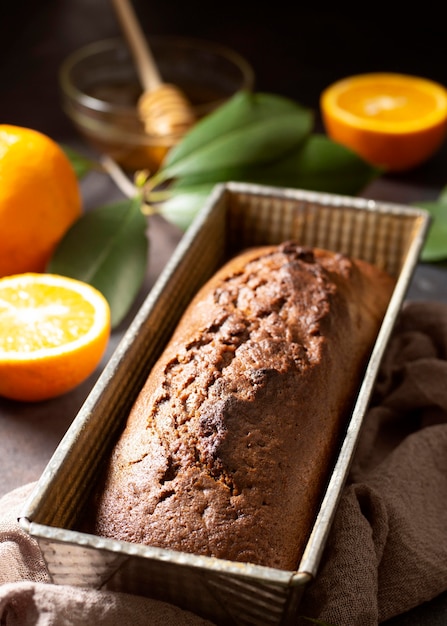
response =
{"points": [[299, 63]]}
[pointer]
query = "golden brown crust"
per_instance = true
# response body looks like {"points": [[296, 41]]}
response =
{"points": [[226, 450]]}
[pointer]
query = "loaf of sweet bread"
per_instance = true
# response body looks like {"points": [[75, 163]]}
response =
{"points": [[228, 446]]}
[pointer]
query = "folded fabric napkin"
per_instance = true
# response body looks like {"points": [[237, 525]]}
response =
{"points": [[387, 550]]}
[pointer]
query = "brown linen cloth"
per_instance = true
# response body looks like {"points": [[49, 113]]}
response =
{"points": [[387, 551]]}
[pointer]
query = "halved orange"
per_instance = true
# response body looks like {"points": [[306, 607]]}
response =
{"points": [[54, 331], [393, 121]]}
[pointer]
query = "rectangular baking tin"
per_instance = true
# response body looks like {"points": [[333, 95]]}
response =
{"points": [[236, 216]]}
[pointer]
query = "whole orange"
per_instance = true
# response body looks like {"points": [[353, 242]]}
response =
{"points": [[40, 199]]}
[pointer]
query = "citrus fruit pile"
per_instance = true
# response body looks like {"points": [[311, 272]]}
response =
{"points": [[53, 333], [393, 121]]}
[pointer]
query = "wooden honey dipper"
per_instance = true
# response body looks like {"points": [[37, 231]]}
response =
{"points": [[162, 107]]}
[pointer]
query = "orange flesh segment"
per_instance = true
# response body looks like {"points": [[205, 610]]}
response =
{"points": [[40, 318], [388, 103]]}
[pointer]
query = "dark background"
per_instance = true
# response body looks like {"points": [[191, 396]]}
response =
{"points": [[296, 51]]}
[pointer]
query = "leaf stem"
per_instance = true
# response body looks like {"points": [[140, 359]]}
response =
{"points": [[118, 176], [157, 196]]}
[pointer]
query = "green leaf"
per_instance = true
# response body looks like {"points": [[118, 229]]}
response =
{"points": [[442, 199], [80, 164], [222, 175], [243, 109], [255, 138], [435, 247], [181, 208], [320, 164], [107, 248], [248, 131]]}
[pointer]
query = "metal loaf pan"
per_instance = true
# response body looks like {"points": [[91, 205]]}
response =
{"points": [[236, 216]]}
